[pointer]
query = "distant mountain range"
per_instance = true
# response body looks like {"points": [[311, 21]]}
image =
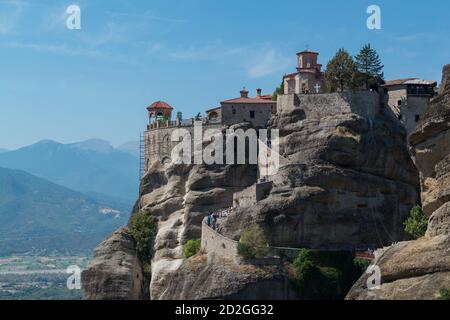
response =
{"points": [[3, 150], [41, 216], [90, 167], [131, 147]]}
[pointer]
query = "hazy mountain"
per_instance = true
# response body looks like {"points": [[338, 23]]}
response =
{"points": [[92, 166], [130, 147], [97, 145], [36, 214]]}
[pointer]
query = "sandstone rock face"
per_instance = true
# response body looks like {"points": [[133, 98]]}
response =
{"points": [[201, 278], [345, 181], [181, 203], [420, 269], [115, 273]]}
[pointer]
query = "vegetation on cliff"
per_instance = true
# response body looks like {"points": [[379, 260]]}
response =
{"points": [[253, 243], [344, 72], [444, 294], [191, 248], [369, 66], [143, 228], [324, 275], [417, 223]]}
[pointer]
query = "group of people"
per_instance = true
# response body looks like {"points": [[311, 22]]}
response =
{"points": [[213, 217]]}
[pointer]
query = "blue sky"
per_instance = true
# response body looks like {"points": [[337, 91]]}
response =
{"points": [[71, 85]]}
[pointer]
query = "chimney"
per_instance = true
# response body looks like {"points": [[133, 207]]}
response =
{"points": [[244, 93], [258, 92]]}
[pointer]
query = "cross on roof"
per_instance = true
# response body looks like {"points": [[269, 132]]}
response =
{"points": [[317, 87]]}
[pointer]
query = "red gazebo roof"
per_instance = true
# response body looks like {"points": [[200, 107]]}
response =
{"points": [[159, 105]]}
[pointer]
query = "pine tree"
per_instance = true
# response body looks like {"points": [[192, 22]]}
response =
{"points": [[369, 66], [340, 71]]}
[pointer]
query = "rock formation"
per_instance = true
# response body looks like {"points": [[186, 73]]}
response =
{"points": [[115, 273], [420, 269], [345, 181]]}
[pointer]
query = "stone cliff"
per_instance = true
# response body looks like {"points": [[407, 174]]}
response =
{"points": [[346, 181], [116, 272], [420, 269]]}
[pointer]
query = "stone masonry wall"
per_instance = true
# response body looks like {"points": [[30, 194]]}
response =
{"points": [[159, 145], [214, 244], [364, 103]]}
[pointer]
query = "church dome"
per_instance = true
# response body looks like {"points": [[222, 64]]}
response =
{"points": [[159, 105]]}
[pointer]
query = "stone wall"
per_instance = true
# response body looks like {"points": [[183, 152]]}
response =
{"points": [[159, 145], [238, 113], [252, 194], [215, 244], [405, 109], [316, 106]]}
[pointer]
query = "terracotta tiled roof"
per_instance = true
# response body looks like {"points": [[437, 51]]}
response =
{"points": [[266, 97], [159, 105]]}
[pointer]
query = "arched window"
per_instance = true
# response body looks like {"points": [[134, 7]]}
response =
{"points": [[166, 145]]}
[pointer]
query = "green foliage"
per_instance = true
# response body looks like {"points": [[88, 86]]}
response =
{"points": [[444, 294], [417, 223], [253, 243], [325, 275], [340, 73], [191, 248], [147, 271], [363, 264], [369, 66], [313, 280], [143, 228], [278, 91]]}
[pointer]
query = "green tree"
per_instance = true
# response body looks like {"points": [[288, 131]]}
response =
{"points": [[253, 243], [313, 280], [305, 268], [444, 294], [417, 223], [278, 91], [362, 264], [369, 66], [191, 248], [340, 73], [143, 227]]}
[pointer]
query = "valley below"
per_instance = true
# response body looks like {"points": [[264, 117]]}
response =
{"points": [[39, 277]]}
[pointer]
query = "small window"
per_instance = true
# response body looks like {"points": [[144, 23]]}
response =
{"points": [[252, 114], [417, 118], [399, 102]]}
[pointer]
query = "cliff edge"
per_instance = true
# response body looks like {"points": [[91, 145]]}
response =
{"points": [[420, 269]]}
